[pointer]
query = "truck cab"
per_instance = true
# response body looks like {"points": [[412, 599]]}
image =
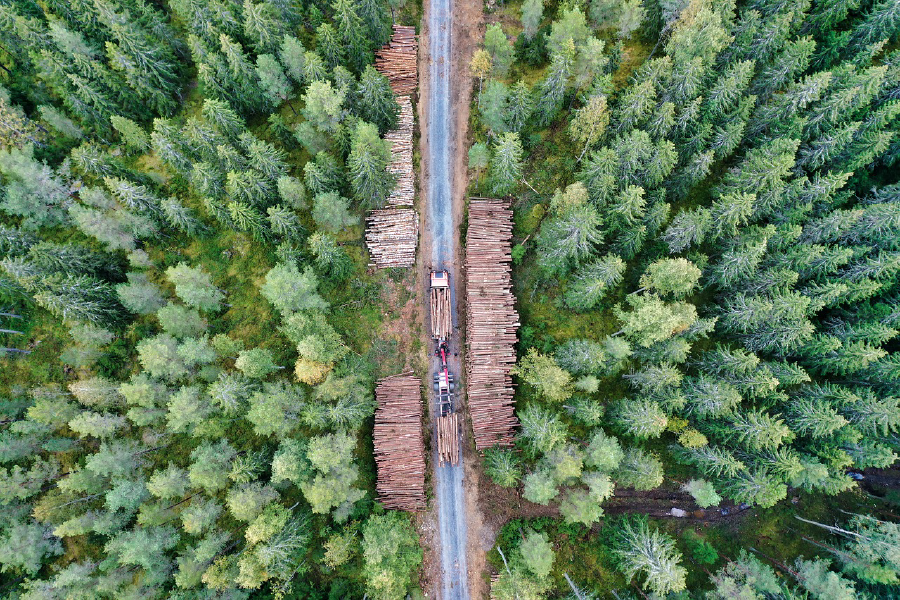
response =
{"points": [[440, 279]]}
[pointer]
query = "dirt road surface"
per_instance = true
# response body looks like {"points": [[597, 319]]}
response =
{"points": [[440, 233], [449, 33]]}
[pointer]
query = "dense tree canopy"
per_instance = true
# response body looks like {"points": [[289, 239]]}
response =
{"points": [[705, 263]]}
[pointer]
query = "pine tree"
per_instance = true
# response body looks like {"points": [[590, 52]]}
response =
{"points": [[506, 163], [651, 553], [492, 104], [180, 217], [519, 107], [567, 239], [247, 94], [499, 48], [194, 286], [367, 164], [542, 372], [353, 32], [274, 82], [589, 123], [552, 89], [374, 14], [261, 26], [532, 14], [291, 52], [880, 22], [757, 487], [593, 280], [375, 100], [330, 259], [640, 418]]}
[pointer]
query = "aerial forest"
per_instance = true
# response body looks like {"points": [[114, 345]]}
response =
{"points": [[190, 332], [707, 262]]}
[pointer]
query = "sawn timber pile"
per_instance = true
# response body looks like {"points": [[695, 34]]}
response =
{"points": [[399, 445], [398, 60], [492, 323]]}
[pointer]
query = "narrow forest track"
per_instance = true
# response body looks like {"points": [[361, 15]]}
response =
{"points": [[440, 246]]}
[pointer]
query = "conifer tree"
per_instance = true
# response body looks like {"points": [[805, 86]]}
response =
{"points": [[651, 553], [353, 32], [367, 164], [506, 163]]}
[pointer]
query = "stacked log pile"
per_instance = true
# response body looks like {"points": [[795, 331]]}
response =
{"points": [[398, 60], [392, 233], [440, 313], [492, 323], [402, 156], [399, 446], [391, 236], [448, 439]]}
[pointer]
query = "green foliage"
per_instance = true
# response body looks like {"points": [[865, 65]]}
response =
{"points": [[569, 236], [537, 554], [542, 372], [649, 552], [540, 487], [506, 163], [332, 487], [503, 466], [674, 276], [639, 469], [180, 321], [33, 191], [390, 552], [331, 212], [740, 155], [256, 363], [289, 290], [25, 545], [701, 550], [703, 492], [195, 287], [652, 320], [367, 164], [139, 295]]}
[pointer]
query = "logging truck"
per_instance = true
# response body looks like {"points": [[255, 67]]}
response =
{"points": [[440, 330]]}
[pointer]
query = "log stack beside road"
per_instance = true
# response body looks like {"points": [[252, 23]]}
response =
{"points": [[492, 323], [391, 236], [398, 60], [392, 233], [399, 445], [401, 166]]}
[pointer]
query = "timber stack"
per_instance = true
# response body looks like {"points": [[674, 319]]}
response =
{"points": [[398, 60], [492, 323], [391, 236], [393, 232], [401, 166], [440, 313], [448, 439], [399, 445]]}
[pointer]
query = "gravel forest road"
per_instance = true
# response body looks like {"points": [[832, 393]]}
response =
{"points": [[442, 231]]}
